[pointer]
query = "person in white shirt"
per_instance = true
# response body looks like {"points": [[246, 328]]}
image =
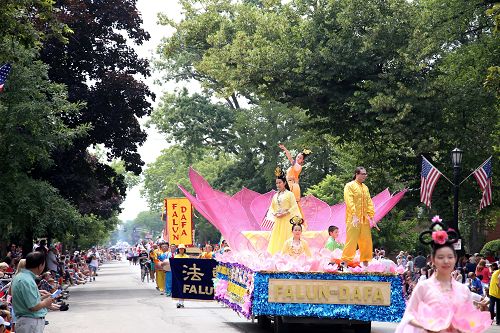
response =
{"points": [[93, 255]]}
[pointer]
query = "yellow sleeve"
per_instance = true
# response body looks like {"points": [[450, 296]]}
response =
{"points": [[371, 208], [294, 208], [286, 247], [273, 208], [155, 257], [349, 199], [306, 249]]}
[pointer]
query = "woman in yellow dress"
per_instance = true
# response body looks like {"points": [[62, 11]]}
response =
{"points": [[295, 246], [293, 173], [283, 208]]}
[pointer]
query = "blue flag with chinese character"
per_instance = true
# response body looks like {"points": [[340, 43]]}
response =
{"points": [[192, 278]]}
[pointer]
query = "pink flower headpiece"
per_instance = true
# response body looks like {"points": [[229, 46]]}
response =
{"points": [[439, 233]]}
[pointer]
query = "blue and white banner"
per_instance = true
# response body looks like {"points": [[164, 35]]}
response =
{"points": [[192, 278]]}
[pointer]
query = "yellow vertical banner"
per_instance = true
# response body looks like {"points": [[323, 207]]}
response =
{"points": [[179, 221]]}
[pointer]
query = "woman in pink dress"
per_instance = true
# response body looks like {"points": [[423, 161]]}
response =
{"points": [[440, 291]]}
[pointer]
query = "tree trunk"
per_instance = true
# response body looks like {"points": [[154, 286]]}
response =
{"points": [[27, 242], [475, 242]]}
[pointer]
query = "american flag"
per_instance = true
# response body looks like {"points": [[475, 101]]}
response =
{"points": [[4, 72], [483, 175], [268, 222], [428, 178]]}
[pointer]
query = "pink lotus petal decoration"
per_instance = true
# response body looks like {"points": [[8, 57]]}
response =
{"points": [[246, 210], [434, 318], [320, 261], [468, 319], [376, 266], [330, 268]]}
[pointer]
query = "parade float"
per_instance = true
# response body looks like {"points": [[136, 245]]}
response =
{"points": [[283, 289]]}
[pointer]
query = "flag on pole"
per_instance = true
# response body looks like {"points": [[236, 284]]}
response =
{"points": [[268, 222], [4, 72], [428, 180], [483, 175]]}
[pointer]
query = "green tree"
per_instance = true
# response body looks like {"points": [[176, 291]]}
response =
{"points": [[32, 132], [100, 69], [392, 79], [31, 129], [163, 176], [398, 234]]}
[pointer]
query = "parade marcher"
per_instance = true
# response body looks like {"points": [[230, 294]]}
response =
{"points": [[359, 214], [207, 253], [161, 254], [295, 246], [331, 243], [182, 255], [283, 208], [152, 258], [440, 291], [495, 292], [168, 272], [293, 173]]}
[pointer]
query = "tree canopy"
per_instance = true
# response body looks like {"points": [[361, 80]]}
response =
{"points": [[373, 83], [73, 85]]}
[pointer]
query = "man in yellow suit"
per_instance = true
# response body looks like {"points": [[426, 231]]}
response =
{"points": [[359, 214]]}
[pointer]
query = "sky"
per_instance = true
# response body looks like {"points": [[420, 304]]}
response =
{"points": [[155, 142]]}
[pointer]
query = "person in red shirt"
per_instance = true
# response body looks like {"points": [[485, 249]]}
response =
{"points": [[483, 272]]}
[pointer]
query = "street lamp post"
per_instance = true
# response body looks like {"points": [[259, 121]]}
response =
{"points": [[456, 158]]}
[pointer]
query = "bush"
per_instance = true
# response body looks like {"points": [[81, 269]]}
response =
{"points": [[492, 247]]}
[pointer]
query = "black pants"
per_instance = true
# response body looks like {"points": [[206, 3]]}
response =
{"points": [[495, 304]]}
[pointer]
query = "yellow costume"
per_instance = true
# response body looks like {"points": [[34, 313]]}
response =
{"points": [[282, 202], [207, 255], [159, 272], [358, 203], [295, 250], [292, 178]]}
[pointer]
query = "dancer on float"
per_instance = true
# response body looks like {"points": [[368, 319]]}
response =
{"points": [[293, 173], [295, 246], [440, 292], [358, 216], [283, 208]]}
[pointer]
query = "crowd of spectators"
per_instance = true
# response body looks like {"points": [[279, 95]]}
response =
{"points": [[31, 286], [476, 271]]}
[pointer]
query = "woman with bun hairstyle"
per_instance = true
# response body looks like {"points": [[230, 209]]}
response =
{"points": [[283, 208], [440, 292], [295, 246], [293, 173]]}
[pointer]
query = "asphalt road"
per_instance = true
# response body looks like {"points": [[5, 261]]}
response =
{"points": [[118, 302]]}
